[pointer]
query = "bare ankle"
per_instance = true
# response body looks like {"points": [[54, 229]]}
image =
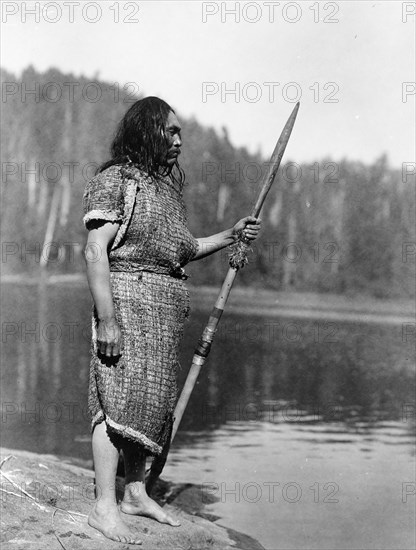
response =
{"points": [[135, 489], [104, 505]]}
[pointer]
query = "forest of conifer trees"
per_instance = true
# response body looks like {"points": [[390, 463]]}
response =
{"points": [[340, 227]]}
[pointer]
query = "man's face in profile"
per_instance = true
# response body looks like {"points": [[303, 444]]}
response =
{"points": [[173, 139]]}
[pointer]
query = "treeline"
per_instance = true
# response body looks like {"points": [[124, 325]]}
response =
{"points": [[341, 227]]}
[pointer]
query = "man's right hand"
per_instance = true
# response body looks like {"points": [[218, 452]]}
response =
{"points": [[109, 338]]}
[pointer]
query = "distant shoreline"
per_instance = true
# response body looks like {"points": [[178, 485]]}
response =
{"points": [[273, 303], [308, 305]]}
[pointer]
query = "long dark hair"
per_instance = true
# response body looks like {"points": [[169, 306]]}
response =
{"points": [[140, 140]]}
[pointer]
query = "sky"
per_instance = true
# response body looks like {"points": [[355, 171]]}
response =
{"points": [[243, 65]]}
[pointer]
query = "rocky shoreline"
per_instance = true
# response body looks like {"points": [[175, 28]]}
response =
{"points": [[46, 500]]}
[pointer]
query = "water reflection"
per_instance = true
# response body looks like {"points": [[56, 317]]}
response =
{"points": [[335, 378], [363, 374], [45, 367]]}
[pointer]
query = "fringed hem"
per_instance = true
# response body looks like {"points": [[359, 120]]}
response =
{"points": [[106, 215], [97, 419], [126, 432]]}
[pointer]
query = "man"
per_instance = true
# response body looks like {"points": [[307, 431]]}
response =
{"points": [[135, 215]]}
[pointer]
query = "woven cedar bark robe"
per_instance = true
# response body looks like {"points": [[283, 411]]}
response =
{"points": [[136, 395]]}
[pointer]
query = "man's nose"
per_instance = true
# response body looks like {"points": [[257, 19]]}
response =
{"points": [[177, 142]]}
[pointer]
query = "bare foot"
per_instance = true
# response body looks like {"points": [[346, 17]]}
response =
{"points": [[137, 502], [107, 520]]}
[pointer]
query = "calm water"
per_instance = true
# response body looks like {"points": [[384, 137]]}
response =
{"points": [[303, 430]]}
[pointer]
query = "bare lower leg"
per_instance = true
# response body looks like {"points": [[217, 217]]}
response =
{"points": [[105, 516], [136, 500]]}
